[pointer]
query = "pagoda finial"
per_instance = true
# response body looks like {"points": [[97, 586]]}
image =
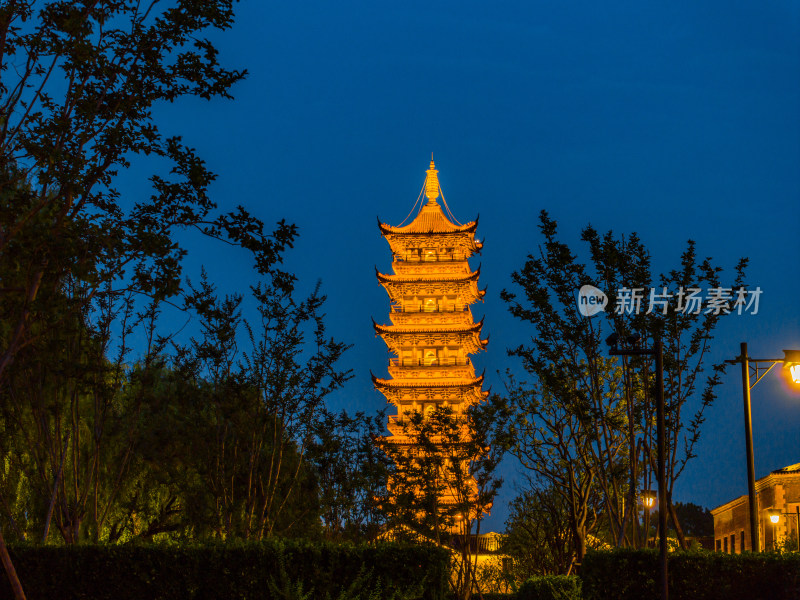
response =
{"points": [[432, 183]]}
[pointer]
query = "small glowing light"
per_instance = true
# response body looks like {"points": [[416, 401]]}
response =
{"points": [[774, 518], [791, 361], [648, 498]]}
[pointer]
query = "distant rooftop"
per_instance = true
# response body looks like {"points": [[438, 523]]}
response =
{"points": [[795, 468]]}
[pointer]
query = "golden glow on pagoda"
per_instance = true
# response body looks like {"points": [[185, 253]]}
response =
{"points": [[432, 332]]}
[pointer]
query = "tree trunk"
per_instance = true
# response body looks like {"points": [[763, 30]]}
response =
{"points": [[11, 572], [49, 516], [678, 528], [579, 541]]}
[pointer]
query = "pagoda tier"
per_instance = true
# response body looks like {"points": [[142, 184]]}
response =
{"points": [[432, 332], [409, 391], [446, 268], [445, 290], [412, 316], [465, 336], [431, 237]]}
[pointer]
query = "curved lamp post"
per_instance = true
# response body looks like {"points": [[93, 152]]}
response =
{"points": [[760, 367]]}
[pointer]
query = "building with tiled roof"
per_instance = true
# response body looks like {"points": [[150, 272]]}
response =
{"points": [[777, 496]]}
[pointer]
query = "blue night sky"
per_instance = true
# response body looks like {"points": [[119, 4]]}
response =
{"points": [[673, 120]]}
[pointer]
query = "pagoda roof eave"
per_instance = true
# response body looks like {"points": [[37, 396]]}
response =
{"points": [[392, 278], [393, 383], [387, 229], [430, 219], [395, 329]]}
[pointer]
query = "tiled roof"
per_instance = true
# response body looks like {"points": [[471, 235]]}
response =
{"points": [[473, 327], [430, 219], [790, 469], [394, 278], [438, 383]]}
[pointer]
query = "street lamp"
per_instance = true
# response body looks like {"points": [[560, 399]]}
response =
{"points": [[774, 515], [629, 346], [648, 502], [791, 362], [760, 366]]}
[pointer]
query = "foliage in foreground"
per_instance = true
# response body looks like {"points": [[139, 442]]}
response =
{"points": [[442, 489], [275, 569], [538, 534], [551, 587], [626, 574]]}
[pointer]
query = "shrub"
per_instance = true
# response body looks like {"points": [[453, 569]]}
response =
{"points": [[633, 574], [550, 587], [263, 571]]}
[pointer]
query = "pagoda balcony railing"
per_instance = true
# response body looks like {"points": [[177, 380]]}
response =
{"points": [[397, 421], [409, 257], [450, 361], [430, 309]]}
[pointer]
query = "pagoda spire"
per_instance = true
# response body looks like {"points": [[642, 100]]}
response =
{"points": [[432, 183]]}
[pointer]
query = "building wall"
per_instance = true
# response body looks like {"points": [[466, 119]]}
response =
{"points": [[733, 522], [779, 490]]}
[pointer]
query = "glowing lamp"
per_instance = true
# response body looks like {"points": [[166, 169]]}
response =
{"points": [[774, 515], [648, 498], [791, 362]]}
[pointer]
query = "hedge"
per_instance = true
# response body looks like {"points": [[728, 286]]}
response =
{"points": [[235, 571], [633, 574], [550, 587]]}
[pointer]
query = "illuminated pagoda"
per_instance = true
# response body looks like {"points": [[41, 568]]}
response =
{"points": [[432, 332]]}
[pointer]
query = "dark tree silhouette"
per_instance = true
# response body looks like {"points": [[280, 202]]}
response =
{"points": [[78, 84], [585, 423]]}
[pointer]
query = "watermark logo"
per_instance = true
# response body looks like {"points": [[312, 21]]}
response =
{"points": [[690, 300], [591, 300]]}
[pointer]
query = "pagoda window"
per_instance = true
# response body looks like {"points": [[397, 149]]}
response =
{"points": [[429, 305], [429, 254], [429, 357]]}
